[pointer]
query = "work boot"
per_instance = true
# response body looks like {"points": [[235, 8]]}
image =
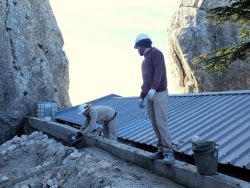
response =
{"points": [[156, 155], [169, 158]]}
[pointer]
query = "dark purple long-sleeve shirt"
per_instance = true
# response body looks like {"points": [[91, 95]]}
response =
{"points": [[153, 72]]}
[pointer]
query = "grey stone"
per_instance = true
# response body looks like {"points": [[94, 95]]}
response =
{"points": [[104, 164], [3, 152], [53, 182], [25, 186], [33, 65], [192, 33], [12, 147], [4, 178], [90, 171], [75, 155]]}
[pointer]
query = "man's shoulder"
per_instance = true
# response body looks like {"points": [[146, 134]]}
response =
{"points": [[156, 51]]}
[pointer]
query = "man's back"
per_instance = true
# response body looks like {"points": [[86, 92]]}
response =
{"points": [[101, 113], [154, 71]]}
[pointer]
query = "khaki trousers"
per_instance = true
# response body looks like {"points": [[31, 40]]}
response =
{"points": [[110, 129], [157, 113]]}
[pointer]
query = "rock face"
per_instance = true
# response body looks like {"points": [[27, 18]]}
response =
{"points": [[210, 45], [33, 66]]}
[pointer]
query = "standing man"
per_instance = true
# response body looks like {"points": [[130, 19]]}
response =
{"points": [[154, 88], [104, 115]]}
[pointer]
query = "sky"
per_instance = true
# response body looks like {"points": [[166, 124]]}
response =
{"points": [[99, 39]]}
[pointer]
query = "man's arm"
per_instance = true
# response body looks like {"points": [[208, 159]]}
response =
{"points": [[85, 124], [145, 85], [158, 63], [92, 122]]}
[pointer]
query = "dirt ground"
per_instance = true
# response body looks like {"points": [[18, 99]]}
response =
{"points": [[127, 174], [35, 161]]}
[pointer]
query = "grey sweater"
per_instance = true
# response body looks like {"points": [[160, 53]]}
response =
{"points": [[97, 114], [153, 72]]}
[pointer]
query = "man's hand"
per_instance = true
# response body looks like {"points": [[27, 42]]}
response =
{"points": [[151, 94], [141, 105], [75, 138]]}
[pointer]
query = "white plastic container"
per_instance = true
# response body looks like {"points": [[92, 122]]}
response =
{"points": [[46, 110]]}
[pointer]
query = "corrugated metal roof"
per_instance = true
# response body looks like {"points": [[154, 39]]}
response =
{"points": [[223, 117]]}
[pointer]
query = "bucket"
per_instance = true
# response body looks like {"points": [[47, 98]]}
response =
{"points": [[46, 110], [206, 157]]}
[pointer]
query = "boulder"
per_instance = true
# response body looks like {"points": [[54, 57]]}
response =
{"points": [[209, 46], [33, 65]]}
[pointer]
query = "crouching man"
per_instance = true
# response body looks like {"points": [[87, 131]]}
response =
{"points": [[104, 115]]}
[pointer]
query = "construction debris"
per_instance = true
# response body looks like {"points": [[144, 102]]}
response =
{"points": [[37, 161]]}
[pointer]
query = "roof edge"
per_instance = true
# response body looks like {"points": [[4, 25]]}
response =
{"points": [[235, 92], [104, 97]]}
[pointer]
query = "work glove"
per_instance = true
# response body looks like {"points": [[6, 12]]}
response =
{"points": [[151, 94], [74, 139], [141, 105]]}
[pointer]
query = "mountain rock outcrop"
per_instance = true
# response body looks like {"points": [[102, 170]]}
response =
{"points": [[33, 65], [209, 46]]}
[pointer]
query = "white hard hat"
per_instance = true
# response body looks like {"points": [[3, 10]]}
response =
{"points": [[140, 37], [82, 108]]}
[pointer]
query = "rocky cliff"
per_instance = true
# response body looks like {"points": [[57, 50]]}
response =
{"points": [[33, 65], [210, 45]]}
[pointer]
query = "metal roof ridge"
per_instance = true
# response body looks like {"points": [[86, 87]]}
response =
{"points": [[112, 95], [235, 92], [127, 97]]}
